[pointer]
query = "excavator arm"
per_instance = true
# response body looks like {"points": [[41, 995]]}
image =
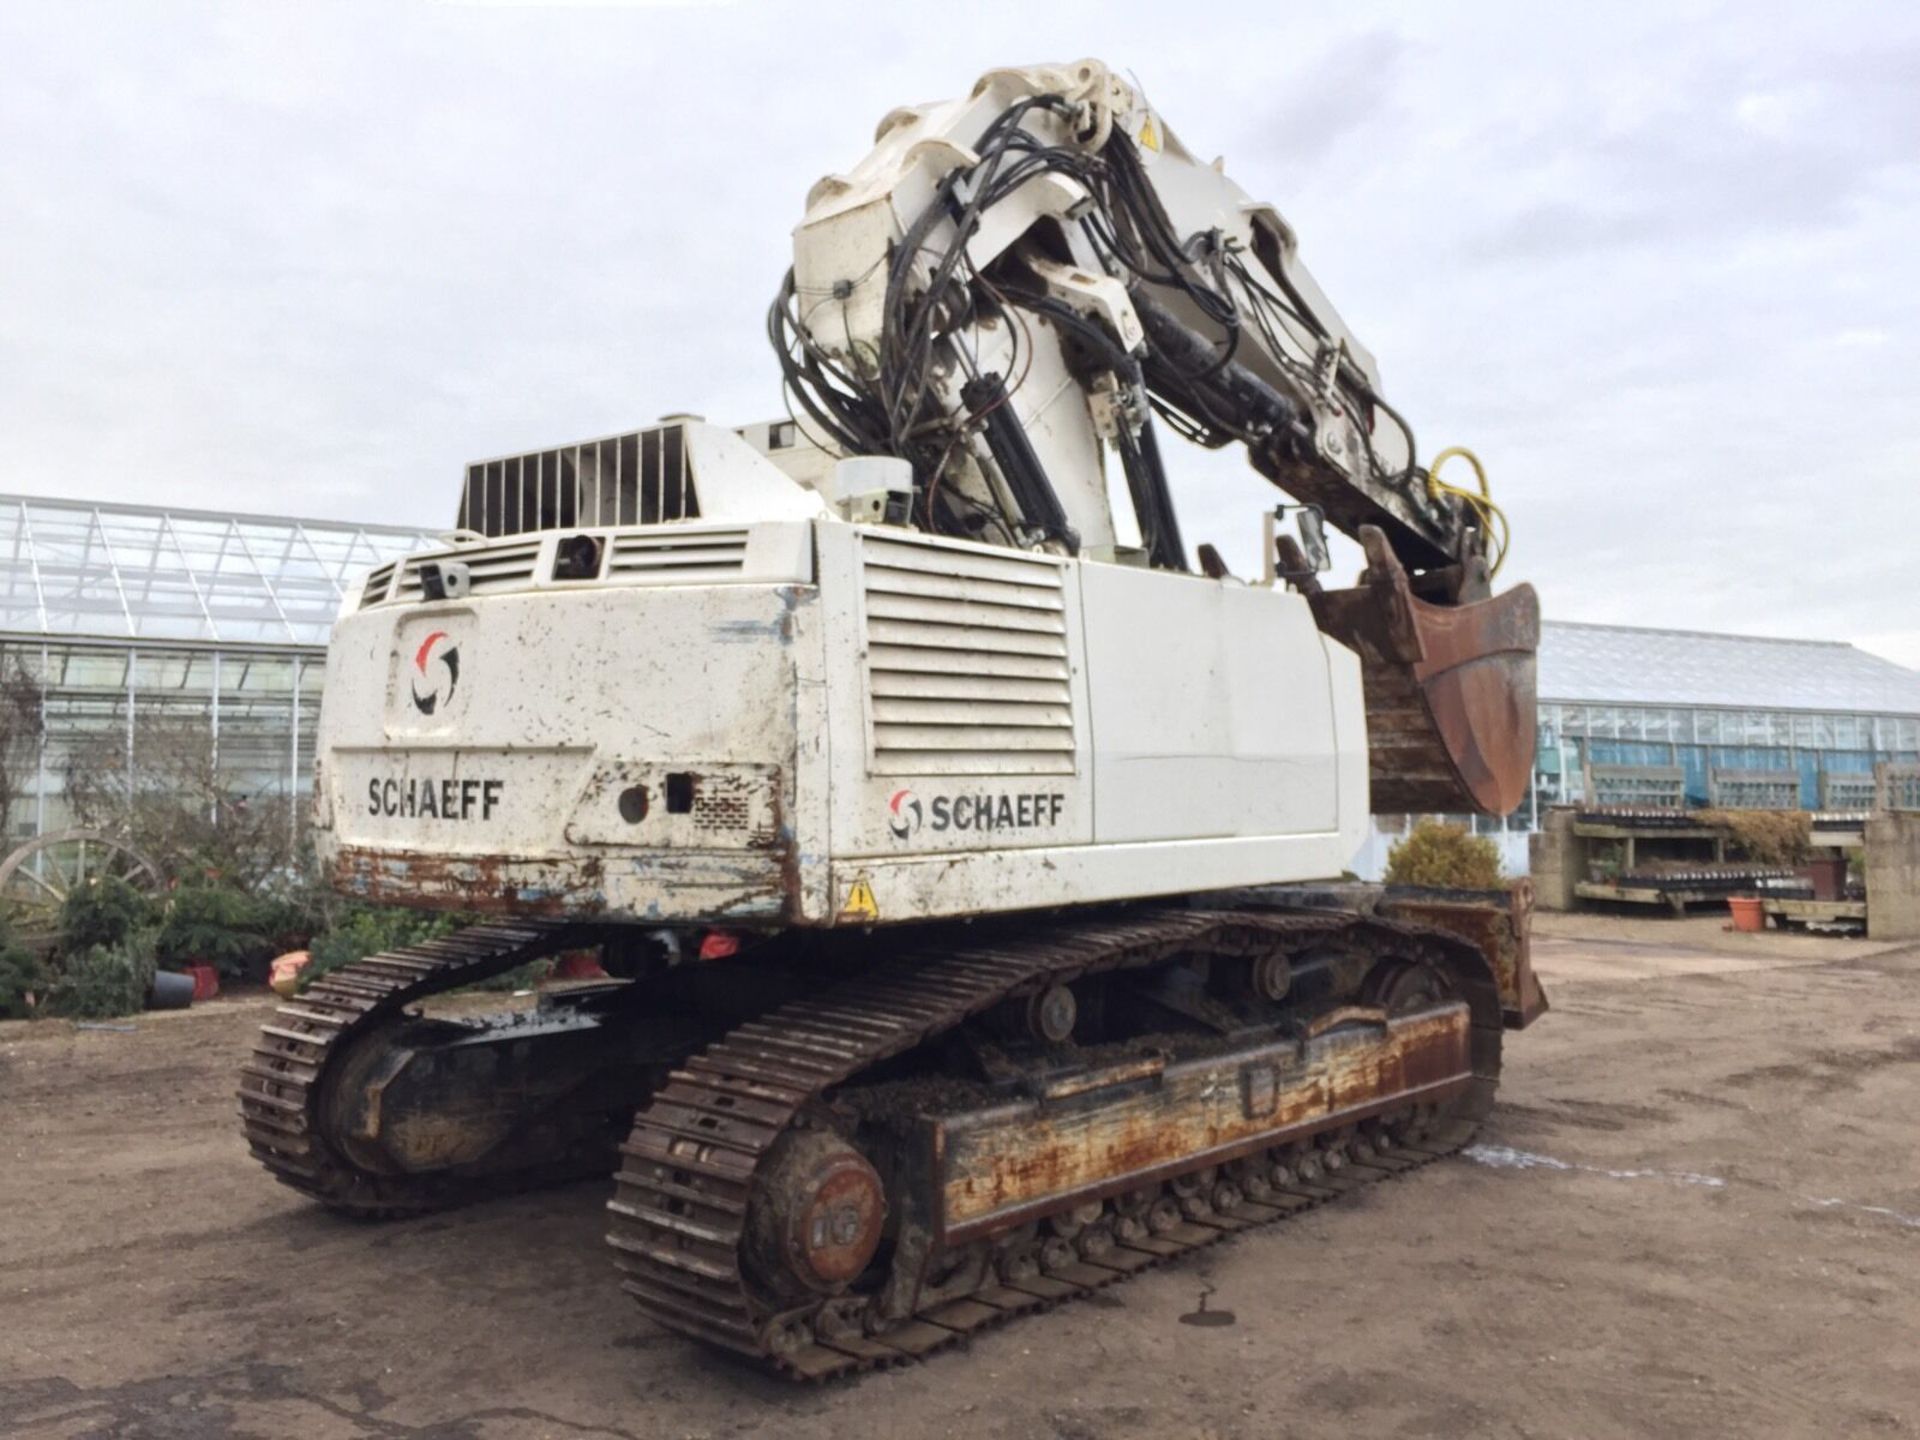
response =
{"points": [[1014, 287]]}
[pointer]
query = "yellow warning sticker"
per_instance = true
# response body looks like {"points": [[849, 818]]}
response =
{"points": [[1150, 135], [860, 907]]}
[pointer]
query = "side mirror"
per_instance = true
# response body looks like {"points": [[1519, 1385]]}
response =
{"points": [[1312, 525]]}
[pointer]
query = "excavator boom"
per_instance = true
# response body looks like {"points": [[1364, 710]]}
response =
{"points": [[1012, 287]]}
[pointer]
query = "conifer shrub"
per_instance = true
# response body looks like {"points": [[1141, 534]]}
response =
{"points": [[1446, 857]]}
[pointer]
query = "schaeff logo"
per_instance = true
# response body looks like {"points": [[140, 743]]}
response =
{"points": [[1031, 810], [429, 799], [436, 674]]}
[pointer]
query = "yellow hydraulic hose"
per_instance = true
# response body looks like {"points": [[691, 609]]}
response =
{"points": [[1493, 520]]}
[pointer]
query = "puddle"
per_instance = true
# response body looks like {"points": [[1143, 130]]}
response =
{"points": [[1504, 1157], [1911, 1222]]}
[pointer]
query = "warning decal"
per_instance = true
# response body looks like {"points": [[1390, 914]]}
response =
{"points": [[860, 907]]}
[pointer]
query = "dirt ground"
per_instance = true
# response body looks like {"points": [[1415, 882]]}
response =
{"points": [[1697, 1212]]}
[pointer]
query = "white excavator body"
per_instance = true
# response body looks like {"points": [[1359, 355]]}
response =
{"points": [[811, 720]]}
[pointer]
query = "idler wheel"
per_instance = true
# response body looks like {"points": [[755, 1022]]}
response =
{"points": [[1047, 1016], [1270, 977], [819, 1215], [1051, 1014]]}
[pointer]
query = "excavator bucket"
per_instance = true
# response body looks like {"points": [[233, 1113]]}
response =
{"points": [[1450, 689]]}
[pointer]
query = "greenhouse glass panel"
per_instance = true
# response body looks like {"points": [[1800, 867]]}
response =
{"points": [[138, 572]]}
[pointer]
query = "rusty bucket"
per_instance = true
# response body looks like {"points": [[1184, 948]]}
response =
{"points": [[1450, 689]]}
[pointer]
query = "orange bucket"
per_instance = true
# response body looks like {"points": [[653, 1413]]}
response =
{"points": [[1748, 913]]}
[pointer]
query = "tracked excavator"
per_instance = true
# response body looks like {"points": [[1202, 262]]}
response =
{"points": [[963, 854]]}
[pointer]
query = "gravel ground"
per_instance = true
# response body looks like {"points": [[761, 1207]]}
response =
{"points": [[1696, 1211]]}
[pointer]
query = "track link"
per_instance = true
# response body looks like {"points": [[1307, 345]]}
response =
{"points": [[679, 1214], [282, 1083]]}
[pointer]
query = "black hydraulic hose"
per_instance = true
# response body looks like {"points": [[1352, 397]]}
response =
{"points": [[986, 396], [1192, 359], [1152, 500]]}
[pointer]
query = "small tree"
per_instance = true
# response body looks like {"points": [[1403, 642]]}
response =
{"points": [[23, 978], [103, 981], [1445, 857], [218, 925], [179, 807], [102, 912], [21, 729]]}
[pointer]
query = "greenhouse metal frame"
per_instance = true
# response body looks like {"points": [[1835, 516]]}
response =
{"points": [[129, 626]]}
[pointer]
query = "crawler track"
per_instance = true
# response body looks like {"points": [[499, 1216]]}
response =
{"points": [[680, 1212], [282, 1093]]}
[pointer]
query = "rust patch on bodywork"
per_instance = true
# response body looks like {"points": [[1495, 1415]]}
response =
{"points": [[654, 886], [487, 884], [1497, 923], [1005, 1165]]}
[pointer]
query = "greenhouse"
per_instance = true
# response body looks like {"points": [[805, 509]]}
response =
{"points": [[1676, 717], [1681, 718], [138, 642]]}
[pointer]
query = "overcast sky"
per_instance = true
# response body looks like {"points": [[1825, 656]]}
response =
{"points": [[1660, 266]]}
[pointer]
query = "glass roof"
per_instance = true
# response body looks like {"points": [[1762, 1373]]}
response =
{"points": [[1625, 665], [134, 572]]}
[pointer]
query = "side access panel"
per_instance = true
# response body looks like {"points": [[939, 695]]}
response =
{"points": [[1012, 731], [1213, 709]]}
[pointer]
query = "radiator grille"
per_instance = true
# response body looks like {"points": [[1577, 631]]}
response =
{"points": [[642, 478], [967, 662]]}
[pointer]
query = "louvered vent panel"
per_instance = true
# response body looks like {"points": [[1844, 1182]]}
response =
{"points": [[695, 559], [501, 567], [967, 668], [378, 583]]}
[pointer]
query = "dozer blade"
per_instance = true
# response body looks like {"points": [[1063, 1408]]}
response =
{"points": [[1450, 689]]}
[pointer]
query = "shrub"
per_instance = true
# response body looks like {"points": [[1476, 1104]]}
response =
{"points": [[1446, 857], [103, 981], [1766, 837], [367, 930], [104, 912], [217, 925], [23, 979]]}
